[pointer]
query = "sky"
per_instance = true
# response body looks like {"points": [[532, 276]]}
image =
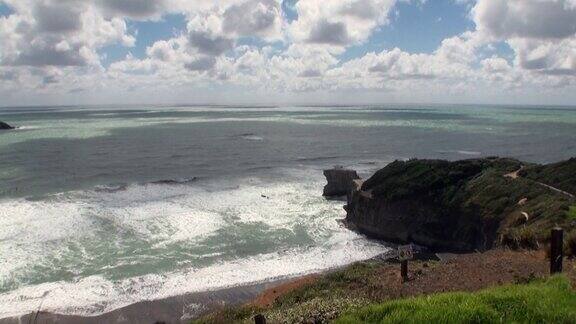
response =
{"points": [[64, 52]]}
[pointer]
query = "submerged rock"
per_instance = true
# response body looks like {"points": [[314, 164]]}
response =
{"points": [[340, 182], [4, 126]]}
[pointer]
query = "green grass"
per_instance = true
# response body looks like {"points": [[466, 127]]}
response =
{"points": [[551, 301], [469, 204], [560, 175], [325, 299], [571, 213]]}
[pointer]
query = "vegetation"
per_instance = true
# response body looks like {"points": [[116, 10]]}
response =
{"points": [[550, 301], [475, 202], [571, 213], [569, 245], [561, 175], [327, 298]]}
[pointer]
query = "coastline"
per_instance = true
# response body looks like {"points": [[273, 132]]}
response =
{"points": [[176, 309], [189, 306], [451, 272]]}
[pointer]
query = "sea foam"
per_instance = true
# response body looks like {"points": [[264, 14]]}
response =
{"points": [[93, 251]]}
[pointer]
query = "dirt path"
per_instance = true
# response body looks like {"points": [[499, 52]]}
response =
{"points": [[560, 191], [516, 175]]}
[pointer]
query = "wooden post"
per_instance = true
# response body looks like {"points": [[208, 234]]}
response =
{"points": [[404, 270], [259, 319], [556, 250]]}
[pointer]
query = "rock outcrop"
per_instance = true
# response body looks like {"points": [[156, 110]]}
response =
{"points": [[340, 182], [463, 205], [4, 126]]}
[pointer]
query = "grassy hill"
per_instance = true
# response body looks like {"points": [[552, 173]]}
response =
{"points": [[465, 205], [561, 175], [550, 301]]}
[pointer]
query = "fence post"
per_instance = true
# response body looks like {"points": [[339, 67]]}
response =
{"points": [[404, 270], [556, 250], [259, 319]]}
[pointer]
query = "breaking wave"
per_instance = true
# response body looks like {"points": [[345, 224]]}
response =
{"points": [[90, 252]]}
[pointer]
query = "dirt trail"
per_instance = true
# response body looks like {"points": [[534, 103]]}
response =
{"points": [[516, 175]]}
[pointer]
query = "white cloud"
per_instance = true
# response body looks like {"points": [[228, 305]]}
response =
{"points": [[57, 33], [53, 46], [138, 9], [260, 18], [532, 19], [542, 33], [339, 23]]}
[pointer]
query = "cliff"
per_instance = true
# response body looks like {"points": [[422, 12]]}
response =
{"points": [[463, 205], [340, 182]]}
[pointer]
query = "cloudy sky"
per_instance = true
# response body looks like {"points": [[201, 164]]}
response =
{"points": [[289, 51]]}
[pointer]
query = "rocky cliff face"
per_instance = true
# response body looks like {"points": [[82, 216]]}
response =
{"points": [[340, 182], [4, 126], [463, 205]]}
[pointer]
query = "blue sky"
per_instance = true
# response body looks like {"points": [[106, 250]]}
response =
{"points": [[287, 51], [4, 10], [414, 27], [417, 28], [147, 33]]}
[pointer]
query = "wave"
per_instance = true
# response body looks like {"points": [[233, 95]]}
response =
{"points": [[175, 181], [111, 188], [250, 137], [318, 158], [97, 250], [96, 295], [462, 152], [116, 187]]}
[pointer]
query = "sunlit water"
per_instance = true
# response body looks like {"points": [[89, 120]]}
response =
{"points": [[89, 222]]}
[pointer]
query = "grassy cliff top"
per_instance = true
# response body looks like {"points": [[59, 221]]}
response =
{"points": [[514, 201], [402, 179], [561, 175]]}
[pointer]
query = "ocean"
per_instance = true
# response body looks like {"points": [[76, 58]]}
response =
{"points": [[102, 207]]}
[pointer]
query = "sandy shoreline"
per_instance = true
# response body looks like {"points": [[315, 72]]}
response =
{"points": [[177, 309]]}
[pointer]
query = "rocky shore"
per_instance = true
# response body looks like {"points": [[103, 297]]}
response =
{"points": [[340, 182], [4, 126], [464, 205]]}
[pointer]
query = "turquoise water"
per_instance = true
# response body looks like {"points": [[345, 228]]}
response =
{"points": [[101, 207]]}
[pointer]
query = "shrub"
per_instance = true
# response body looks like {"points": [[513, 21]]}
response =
{"points": [[571, 213], [570, 244], [524, 237]]}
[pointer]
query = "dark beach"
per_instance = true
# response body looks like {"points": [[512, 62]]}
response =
{"points": [[178, 309]]}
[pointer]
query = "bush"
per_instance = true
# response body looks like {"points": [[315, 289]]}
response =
{"points": [[571, 213], [551, 301], [570, 244], [518, 238]]}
